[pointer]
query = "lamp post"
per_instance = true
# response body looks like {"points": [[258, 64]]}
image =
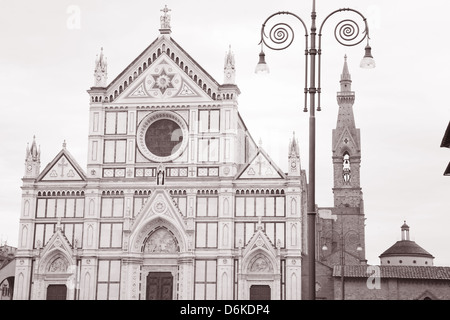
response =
{"points": [[280, 37], [342, 239]]}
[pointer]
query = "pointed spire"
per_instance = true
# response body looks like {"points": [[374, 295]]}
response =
{"points": [[229, 59], [345, 73], [346, 78], [101, 70], [229, 71], [100, 63], [32, 159], [27, 152], [34, 152], [293, 147]]}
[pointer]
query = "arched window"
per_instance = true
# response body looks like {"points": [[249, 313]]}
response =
{"points": [[346, 167]]}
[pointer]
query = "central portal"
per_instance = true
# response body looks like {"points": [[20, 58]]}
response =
{"points": [[57, 292], [159, 286], [260, 292]]}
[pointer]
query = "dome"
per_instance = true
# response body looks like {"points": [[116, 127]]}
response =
{"points": [[406, 248]]}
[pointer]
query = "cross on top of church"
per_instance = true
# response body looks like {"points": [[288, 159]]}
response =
{"points": [[165, 10], [165, 21]]}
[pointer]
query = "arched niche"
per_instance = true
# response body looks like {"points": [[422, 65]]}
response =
{"points": [[161, 229]]}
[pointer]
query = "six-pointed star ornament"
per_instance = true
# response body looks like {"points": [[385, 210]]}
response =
{"points": [[163, 81]]}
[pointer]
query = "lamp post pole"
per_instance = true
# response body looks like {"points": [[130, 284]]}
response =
{"points": [[280, 37], [311, 203], [342, 238]]}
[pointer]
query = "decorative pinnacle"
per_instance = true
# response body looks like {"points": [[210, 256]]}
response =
{"points": [[165, 21], [64, 144], [345, 73]]}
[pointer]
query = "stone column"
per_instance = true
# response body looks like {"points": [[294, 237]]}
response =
{"points": [[131, 269], [186, 278]]}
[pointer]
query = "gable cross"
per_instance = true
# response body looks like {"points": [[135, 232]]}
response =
{"points": [[62, 165], [259, 163]]}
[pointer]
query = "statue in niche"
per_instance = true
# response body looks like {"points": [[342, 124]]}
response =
{"points": [[160, 176]]}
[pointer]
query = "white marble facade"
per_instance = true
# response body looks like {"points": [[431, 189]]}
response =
{"points": [[177, 201]]}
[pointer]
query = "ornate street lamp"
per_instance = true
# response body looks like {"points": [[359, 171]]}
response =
{"points": [[280, 37]]}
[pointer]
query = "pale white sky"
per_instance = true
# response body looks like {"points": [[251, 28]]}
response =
{"points": [[401, 106]]}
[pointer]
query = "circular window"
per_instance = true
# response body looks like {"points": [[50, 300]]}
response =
{"points": [[162, 136]]}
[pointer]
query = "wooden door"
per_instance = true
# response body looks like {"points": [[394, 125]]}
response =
{"points": [[57, 292], [159, 286], [260, 292]]}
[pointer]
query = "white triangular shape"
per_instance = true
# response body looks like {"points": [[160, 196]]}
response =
{"points": [[163, 81], [63, 169], [187, 91], [139, 92], [260, 167]]}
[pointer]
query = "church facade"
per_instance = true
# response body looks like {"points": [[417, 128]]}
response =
{"points": [[177, 201]]}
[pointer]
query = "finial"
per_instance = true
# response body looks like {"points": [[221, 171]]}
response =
{"points": [[101, 70], [346, 78], [165, 21], [64, 144]]}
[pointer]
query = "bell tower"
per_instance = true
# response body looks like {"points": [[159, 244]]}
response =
{"points": [[346, 148]]}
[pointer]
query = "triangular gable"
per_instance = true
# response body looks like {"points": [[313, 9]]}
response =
{"points": [[163, 71], [260, 240], [261, 167], [346, 134], [58, 241], [160, 203], [162, 81], [159, 212], [62, 168], [59, 247]]}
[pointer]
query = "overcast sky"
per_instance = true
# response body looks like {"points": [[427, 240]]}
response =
{"points": [[47, 55]]}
